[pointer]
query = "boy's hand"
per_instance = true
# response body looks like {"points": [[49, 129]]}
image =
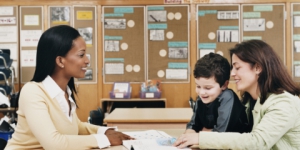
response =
{"points": [[186, 140], [189, 131], [205, 129]]}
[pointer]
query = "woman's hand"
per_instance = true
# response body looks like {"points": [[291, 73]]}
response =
{"points": [[116, 137], [186, 140]]}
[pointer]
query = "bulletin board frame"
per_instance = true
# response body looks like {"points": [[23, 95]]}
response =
{"points": [[84, 24], [226, 24], [274, 33], [170, 55], [60, 18], [13, 46], [26, 72], [124, 46], [295, 36]]}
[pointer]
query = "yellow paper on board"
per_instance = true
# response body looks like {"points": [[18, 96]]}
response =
{"points": [[84, 15]]}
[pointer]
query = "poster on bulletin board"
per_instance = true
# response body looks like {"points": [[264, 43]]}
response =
{"points": [[31, 28], [85, 21], [265, 22], [168, 51], [218, 28], [295, 28], [9, 24], [123, 44], [59, 15]]}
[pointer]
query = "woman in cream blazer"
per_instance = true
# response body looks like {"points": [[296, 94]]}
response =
{"points": [[271, 95]]}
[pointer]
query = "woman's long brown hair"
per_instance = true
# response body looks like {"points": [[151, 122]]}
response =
{"points": [[273, 78]]}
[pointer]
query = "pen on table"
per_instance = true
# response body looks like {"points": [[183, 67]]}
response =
{"points": [[131, 148]]}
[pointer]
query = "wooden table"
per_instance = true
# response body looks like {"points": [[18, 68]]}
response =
{"points": [[149, 118], [173, 132], [107, 103], [10, 109], [4, 111]]}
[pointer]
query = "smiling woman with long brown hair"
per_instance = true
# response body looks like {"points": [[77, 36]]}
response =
{"points": [[270, 90]]}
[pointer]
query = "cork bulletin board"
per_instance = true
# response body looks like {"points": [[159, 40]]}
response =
{"points": [[31, 28], [218, 29], [295, 28], [85, 21], [60, 15], [168, 51], [265, 22], [123, 44], [9, 35]]}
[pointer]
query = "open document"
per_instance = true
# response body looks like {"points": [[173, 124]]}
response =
{"points": [[150, 140]]}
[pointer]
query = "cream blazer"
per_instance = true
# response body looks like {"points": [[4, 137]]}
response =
{"points": [[276, 127], [43, 125]]}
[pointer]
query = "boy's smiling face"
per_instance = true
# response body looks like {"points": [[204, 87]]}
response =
{"points": [[208, 89]]}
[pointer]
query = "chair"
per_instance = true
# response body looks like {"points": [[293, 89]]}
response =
{"points": [[192, 103], [7, 51], [96, 117], [5, 60], [5, 89], [6, 72], [3, 143]]}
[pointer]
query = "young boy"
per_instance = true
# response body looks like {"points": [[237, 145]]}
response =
{"points": [[217, 108]]}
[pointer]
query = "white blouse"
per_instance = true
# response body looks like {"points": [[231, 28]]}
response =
{"points": [[55, 92]]}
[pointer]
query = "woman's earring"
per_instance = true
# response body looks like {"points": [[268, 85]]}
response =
{"points": [[62, 66]]}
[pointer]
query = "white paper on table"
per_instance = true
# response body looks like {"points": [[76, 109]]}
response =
{"points": [[30, 38], [176, 73], [28, 58], [6, 11], [150, 144], [155, 147], [148, 134], [149, 140], [31, 20], [13, 50], [8, 34], [114, 68]]}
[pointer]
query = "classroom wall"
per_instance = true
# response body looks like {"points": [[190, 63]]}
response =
{"points": [[177, 94]]}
